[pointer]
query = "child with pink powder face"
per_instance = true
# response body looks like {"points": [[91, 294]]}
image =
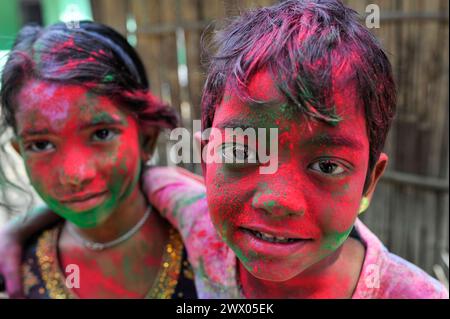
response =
{"points": [[312, 71]]}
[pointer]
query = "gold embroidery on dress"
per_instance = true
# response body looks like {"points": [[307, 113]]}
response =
{"points": [[169, 272], [52, 275], [54, 279], [29, 278]]}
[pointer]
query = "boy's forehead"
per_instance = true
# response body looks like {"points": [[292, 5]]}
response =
{"points": [[275, 111], [263, 87]]}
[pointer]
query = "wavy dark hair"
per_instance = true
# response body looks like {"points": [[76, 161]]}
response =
{"points": [[302, 42], [91, 55]]}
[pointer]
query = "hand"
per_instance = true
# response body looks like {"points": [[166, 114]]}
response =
{"points": [[10, 261]]}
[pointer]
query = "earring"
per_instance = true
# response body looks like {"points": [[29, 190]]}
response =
{"points": [[363, 205]]}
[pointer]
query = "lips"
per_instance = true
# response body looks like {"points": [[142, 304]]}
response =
{"points": [[271, 238], [274, 235], [271, 243], [83, 202], [82, 198]]}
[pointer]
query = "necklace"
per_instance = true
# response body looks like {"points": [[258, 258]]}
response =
{"points": [[92, 245]]}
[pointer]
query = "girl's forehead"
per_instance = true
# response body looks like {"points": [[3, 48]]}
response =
{"points": [[57, 104]]}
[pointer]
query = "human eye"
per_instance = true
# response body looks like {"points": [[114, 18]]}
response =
{"points": [[104, 135], [39, 146], [234, 153], [328, 167]]}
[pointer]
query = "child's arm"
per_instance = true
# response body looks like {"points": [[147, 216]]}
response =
{"points": [[177, 194], [13, 235], [180, 197]]}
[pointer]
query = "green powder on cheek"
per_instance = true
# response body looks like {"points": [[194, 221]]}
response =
{"points": [[335, 239], [239, 254]]}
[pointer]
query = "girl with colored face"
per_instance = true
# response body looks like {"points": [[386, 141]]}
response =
{"points": [[85, 124], [81, 152]]}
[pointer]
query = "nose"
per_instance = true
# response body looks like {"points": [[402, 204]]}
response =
{"points": [[279, 197], [77, 170]]}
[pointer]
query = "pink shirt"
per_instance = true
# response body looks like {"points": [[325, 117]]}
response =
{"points": [[180, 196]]}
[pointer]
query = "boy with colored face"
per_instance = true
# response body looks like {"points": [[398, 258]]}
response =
{"points": [[310, 70]]}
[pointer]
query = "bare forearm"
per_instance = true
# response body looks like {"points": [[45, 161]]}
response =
{"points": [[12, 238]]}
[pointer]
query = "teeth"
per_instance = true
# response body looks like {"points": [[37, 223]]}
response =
{"points": [[273, 239]]}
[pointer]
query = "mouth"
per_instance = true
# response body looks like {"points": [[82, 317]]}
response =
{"points": [[84, 202], [273, 238], [82, 198]]}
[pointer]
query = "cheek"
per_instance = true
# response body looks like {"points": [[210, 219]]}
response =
{"points": [[337, 211], [214, 182], [126, 158], [228, 194], [41, 175]]}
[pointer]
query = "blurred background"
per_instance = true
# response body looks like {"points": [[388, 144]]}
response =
{"points": [[410, 210]]}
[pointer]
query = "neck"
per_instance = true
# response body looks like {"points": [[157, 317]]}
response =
{"points": [[124, 217], [332, 277]]}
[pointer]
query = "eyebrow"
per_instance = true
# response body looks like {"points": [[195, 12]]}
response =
{"points": [[33, 131], [102, 122], [333, 141], [233, 124], [327, 140]]}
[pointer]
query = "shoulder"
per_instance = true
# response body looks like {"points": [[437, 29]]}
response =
{"points": [[159, 177], [388, 276], [181, 197], [406, 280]]}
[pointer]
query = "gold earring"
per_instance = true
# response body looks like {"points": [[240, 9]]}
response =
{"points": [[363, 205]]}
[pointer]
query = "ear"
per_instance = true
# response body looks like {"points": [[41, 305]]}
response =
{"points": [[377, 172], [149, 138]]}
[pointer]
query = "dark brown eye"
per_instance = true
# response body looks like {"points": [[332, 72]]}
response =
{"points": [[327, 167], [103, 135], [41, 146], [238, 153]]}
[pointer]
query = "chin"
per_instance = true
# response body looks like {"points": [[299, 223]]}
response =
{"points": [[274, 271], [87, 219]]}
